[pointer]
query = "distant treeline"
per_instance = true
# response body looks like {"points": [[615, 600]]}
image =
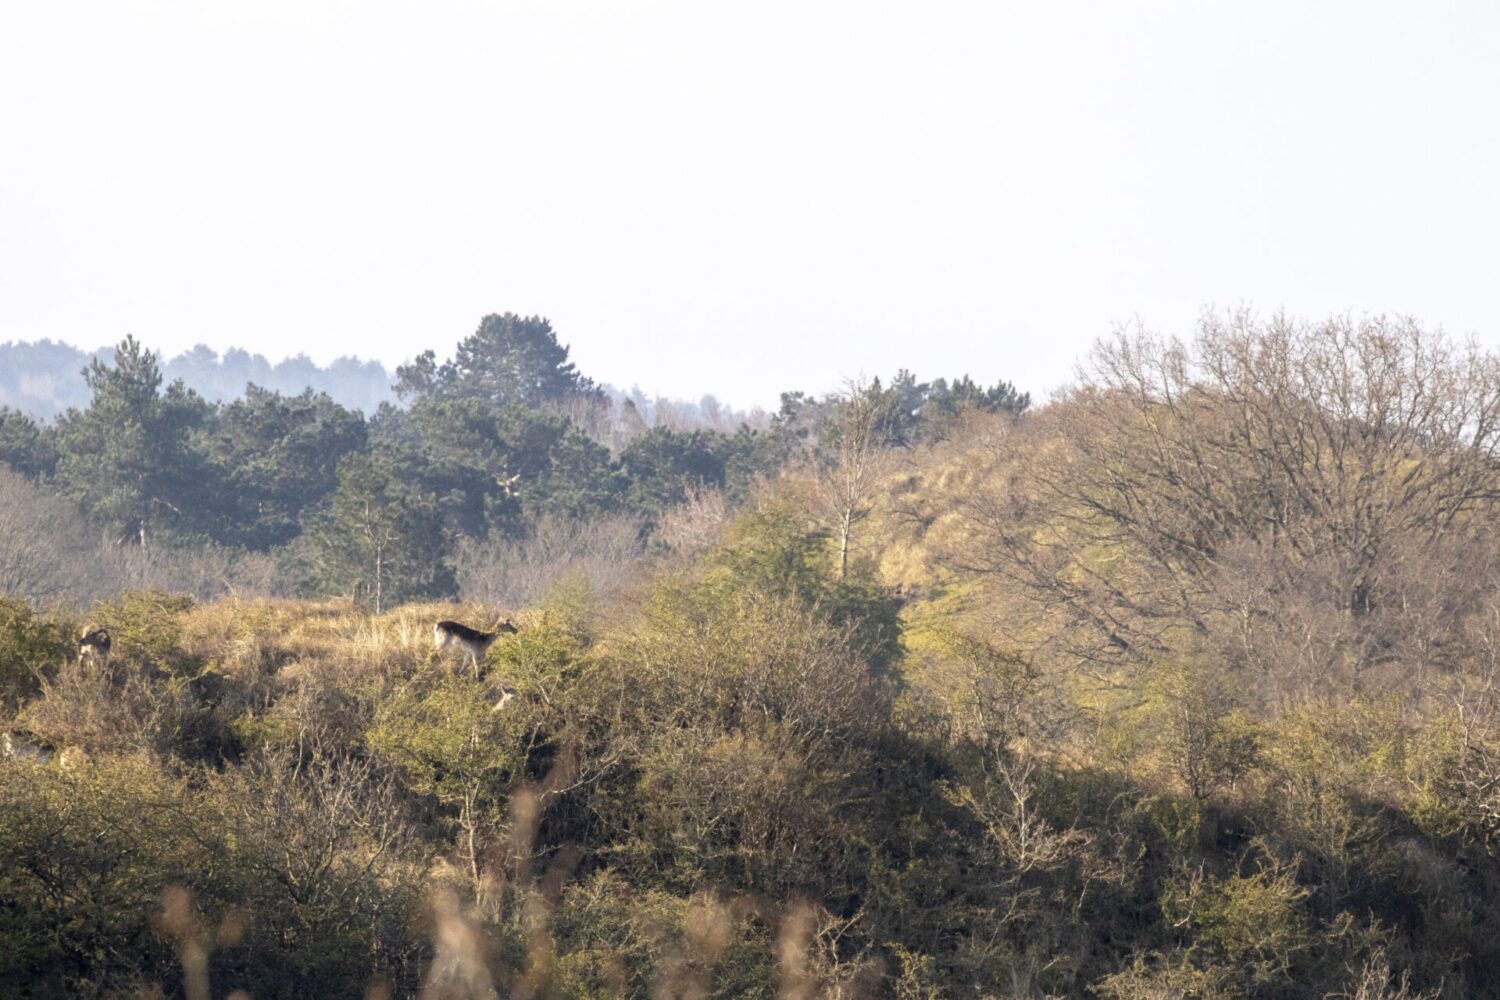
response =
{"points": [[481, 447], [45, 378]]}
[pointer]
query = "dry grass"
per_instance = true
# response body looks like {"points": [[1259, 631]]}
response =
{"points": [[243, 637]]}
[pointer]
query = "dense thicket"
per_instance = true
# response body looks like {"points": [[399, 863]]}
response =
{"points": [[1180, 686]]}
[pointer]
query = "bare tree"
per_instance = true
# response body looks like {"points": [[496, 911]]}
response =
{"points": [[514, 572], [42, 542], [854, 461], [206, 571], [1269, 479], [695, 524], [1375, 980]]}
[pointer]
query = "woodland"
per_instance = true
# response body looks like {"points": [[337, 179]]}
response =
{"points": [[1181, 684]]}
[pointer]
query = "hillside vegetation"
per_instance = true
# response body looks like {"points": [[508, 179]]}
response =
{"points": [[1182, 685]]}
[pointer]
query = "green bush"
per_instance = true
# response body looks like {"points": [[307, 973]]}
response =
{"points": [[30, 646], [1255, 922], [146, 627]]}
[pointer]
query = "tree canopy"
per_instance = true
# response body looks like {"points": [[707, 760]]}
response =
{"points": [[508, 359], [127, 459]]}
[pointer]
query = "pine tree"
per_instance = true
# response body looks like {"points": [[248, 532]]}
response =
{"points": [[127, 459], [508, 359], [379, 541]]}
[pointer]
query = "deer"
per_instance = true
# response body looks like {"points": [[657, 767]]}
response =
{"points": [[16, 746], [473, 642], [506, 694], [93, 644]]}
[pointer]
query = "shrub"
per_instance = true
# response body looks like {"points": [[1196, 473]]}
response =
{"points": [[85, 855], [30, 645], [146, 626], [1255, 922]]}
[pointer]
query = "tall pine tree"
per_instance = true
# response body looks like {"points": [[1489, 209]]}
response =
{"points": [[508, 359], [127, 459]]}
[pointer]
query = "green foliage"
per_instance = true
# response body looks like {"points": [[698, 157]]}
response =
{"points": [[910, 411], [918, 979], [1254, 922], [1133, 740], [127, 459], [546, 658], [25, 446], [575, 478], [948, 399], [274, 456], [288, 881], [379, 541], [503, 434], [316, 857], [120, 709], [146, 625], [870, 615], [754, 456], [614, 942], [1209, 742], [772, 549], [30, 645], [85, 855], [705, 790], [443, 734], [662, 464], [489, 466], [1171, 977], [755, 719], [508, 359]]}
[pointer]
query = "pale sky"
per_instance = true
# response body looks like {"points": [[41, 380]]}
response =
{"points": [[741, 198]]}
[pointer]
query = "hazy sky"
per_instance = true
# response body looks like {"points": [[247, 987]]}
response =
{"points": [[741, 198]]}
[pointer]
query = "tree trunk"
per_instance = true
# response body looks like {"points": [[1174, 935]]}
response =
{"points": [[379, 575], [466, 820], [845, 530]]}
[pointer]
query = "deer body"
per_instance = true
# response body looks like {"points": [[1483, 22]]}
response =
{"points": [[17, 747], [472, 641], [93, 644]]}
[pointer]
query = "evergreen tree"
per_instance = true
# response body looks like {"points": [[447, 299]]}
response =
{"points": [[275, 456], [489, 466], [508, 359], [576, 477], [946, 399], [24, 445], [662, 463], [379, 541], [127, 458]]}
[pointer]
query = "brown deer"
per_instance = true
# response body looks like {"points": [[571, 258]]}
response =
{"points": [[93, 644], [472, 641]]}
